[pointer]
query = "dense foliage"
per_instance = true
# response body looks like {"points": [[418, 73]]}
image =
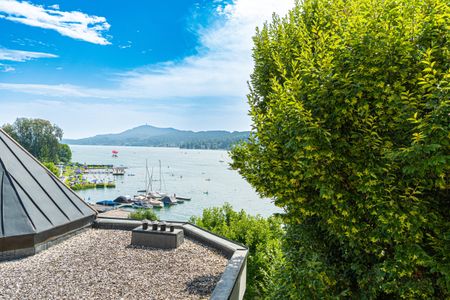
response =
{"points": [[262, 237], [64, 153], [52, 167], [351, 120], [144, 214], [41, 138]]}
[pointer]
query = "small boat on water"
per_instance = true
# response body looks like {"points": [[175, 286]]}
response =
{"points": [[156, 203], [107, 203], [139, 198], [142, 204], [123, 199], [156, 195], [118, 171], [168, 201], [183, 198], [136, 205], [138, 201]]}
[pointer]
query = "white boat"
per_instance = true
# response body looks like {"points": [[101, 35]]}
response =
{"points": [[140, 198], [155, 203], [157, 195]]}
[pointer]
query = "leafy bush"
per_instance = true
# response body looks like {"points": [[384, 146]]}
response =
{"points": [[144, 214], [262, 237], [52, 168], [351, 120]]}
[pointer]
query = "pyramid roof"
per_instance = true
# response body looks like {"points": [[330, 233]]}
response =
{"points": [[34, 204]]}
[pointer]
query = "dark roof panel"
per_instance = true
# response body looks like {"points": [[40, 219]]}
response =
{"points": [[15, 219], [41, 221]]}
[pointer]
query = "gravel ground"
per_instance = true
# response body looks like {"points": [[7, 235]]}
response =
{"points": [[101, 264]]}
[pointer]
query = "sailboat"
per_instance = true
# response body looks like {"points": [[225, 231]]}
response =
{"points": [[158, 197], [147, 195], [156, 194]]}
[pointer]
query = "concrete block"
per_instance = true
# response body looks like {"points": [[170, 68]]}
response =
{"points": [[157, 238]]}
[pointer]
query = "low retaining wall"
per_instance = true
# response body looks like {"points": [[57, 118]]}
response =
{"points": [[24, 252]]}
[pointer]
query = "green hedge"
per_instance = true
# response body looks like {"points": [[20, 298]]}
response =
{"points": [[143, 214], [262, 237], [350, 109]]}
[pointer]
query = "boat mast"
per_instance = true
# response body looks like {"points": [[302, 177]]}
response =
{"points": [[146, 176], [160, 177], [151, 181]]}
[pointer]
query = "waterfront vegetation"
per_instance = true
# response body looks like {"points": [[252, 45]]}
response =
{"points": [[41, 138], [351, 120], [89, 185], [73, 176], [261, 235], [52, 167], [143, 214]]}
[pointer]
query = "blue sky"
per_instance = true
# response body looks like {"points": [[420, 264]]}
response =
{"points": [[105, 66]]}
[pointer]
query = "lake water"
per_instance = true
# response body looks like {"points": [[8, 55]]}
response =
{"points": [[202, 175]]}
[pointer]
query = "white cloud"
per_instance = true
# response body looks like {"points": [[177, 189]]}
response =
{"points": [[128, 44], [59, 90], [73, 24], [6, 68], [21, 56], [224, 64], [221, 69]]}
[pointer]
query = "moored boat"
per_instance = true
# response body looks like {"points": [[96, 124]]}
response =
{"points": [[155, 203], [107, 203], [168, 201], [123, 199]]}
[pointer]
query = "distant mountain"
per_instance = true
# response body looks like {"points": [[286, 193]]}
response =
{"points": [[147, 135]]}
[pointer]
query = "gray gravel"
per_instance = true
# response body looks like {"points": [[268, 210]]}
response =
{"points": [[101, 264]]}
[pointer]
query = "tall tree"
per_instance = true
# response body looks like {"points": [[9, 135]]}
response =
{"points": [[351, 120], [41, 138], [64, 153]]}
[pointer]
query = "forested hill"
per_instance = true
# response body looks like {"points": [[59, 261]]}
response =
{"points": [[147, 135]]}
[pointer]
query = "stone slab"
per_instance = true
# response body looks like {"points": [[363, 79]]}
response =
{"points": [[157, 238]]}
